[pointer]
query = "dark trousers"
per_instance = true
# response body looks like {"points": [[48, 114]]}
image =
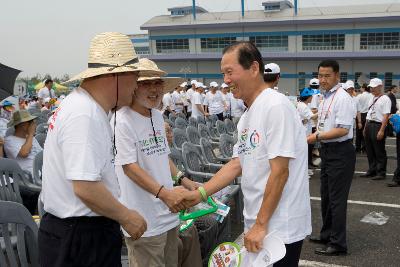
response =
{"points": [[376, 151], [396, 175], [79, 241], [292, 256], [338, 161], [360, 142], [220, 116]]}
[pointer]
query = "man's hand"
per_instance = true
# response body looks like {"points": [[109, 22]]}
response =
{"points": [[189, 184], [1, 141], [359, 124], [380, 135], [192, 198], [253, 239], [134, 224], [173, 198], [32, 128], [312, 138]]}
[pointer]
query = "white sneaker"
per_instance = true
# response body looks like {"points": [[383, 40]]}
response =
{"points": [[316, 162]]}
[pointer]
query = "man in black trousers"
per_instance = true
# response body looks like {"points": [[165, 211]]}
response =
{"points": [[390, 93], [335, 132]]}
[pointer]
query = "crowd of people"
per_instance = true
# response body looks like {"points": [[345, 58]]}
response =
{"points": [[106, 164]]}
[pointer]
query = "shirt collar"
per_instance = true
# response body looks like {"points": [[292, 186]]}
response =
{"points": [[330, 92]]}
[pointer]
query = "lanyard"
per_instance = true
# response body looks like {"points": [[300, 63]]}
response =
{"points": [[329, 107], [373, 104]]}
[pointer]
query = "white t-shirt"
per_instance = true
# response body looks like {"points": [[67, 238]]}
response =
{"points": [[78, 147], [355, 105], [12, 146], [305, 114], [167, 102], [237, 107], [196, 99], [45, 93], [381, 107], [227, 98], [215, 102], [136, 144], [189, 94], [277, 133], [363, 101], [3, 127], [177, 99], [336, 109], [314, 104]]}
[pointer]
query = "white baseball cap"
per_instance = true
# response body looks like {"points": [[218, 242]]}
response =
{"points": [[314, 81], [193, 82], [375, 82], [348, 84], [213, 84], [183, 85], [272, 68], [224, 85]]}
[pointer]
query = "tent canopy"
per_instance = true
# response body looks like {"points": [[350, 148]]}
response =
{"points": [[58, 88]]}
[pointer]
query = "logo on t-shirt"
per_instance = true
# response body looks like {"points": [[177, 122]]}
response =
{"points": [[248, 142], [153, 145]]}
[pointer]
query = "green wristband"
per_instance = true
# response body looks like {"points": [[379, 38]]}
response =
{"points": [[203, 193]]}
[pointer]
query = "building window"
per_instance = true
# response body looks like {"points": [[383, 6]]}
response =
{"points": [[323, 42], [273, 7], [356, 76], [142, 50], [383, 40], [270, 43], [169, 46], [302, 80], [388, 79], [315, 74], [373, 75], [216, 44], [343, 77]]}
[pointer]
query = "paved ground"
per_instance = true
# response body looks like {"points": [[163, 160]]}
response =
{"points": [[369, 245]]}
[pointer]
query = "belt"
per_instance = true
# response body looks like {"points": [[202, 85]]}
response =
{"points": [[83, 220], [336, 143], [375, 122]]}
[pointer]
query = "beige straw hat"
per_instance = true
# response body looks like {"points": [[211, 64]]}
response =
{"points": [[170, 83], [19, 117], [113, 52]]}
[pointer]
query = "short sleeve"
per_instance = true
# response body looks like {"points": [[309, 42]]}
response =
{"points": [[344, 110], [12, 147], [82, 148], [280, 132], [387, 106], [40, 94], [197, 99], [126, 143]]}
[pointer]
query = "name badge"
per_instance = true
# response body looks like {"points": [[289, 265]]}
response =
{"points": [[321, 126]]}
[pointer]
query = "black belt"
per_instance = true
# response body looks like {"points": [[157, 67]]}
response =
{"points": [[89, 220], [375, 122], [336, 143]]}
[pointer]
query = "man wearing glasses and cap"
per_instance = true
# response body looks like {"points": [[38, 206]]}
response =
{"points": [[81, 226], [144, 172], [335, 132], [375, 131]]}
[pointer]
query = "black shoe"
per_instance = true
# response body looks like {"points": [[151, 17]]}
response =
{"points": [[316, 239], [368, 175], [393, 184], [330, 251], [379, 177]]}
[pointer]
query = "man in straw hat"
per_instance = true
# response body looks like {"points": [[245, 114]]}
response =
{"points": [[81, 226], [144, 173]]}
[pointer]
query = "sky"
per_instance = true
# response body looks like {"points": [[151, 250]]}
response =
{"points": [[53, 36]]}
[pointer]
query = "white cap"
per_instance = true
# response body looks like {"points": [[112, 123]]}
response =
{"points": [[199, 84], [213, 84], [193, 82], [375, 82], [314, 81], [224, 85], [183, 85], [348, 84], [272, 68], [273, 250]]}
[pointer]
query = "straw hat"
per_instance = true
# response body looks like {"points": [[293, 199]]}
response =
{"points": [[19, 117], [113, 52], [170, 83]]}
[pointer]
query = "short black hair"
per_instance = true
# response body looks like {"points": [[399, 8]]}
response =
{"points": [[247, 54], [329, 63], [366, 87], [304, 98], [270, 78], [48, 81]]}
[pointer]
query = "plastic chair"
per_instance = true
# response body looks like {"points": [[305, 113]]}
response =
{"points": [[25, 253], [181, 115], [42, 128], [213, 118], [41, 138], [226, 145], [179, 137], [221, 127], [170, 123], [195, 165], [208, 153], [230, 126], [201, 119], [37, 168], [213, 131], [172, 117], [10, 168], [176, 157], [181, 123], [205, 132], [9, 187], [193, 135], [193, 122]]}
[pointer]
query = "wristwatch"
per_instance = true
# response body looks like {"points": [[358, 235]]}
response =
{"points": [[179, 176]]}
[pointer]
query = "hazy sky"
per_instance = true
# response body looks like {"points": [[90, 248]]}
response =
{"points": [[52, 36]]}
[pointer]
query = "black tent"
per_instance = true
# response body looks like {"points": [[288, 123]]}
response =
{"points": [[7, 80]]}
